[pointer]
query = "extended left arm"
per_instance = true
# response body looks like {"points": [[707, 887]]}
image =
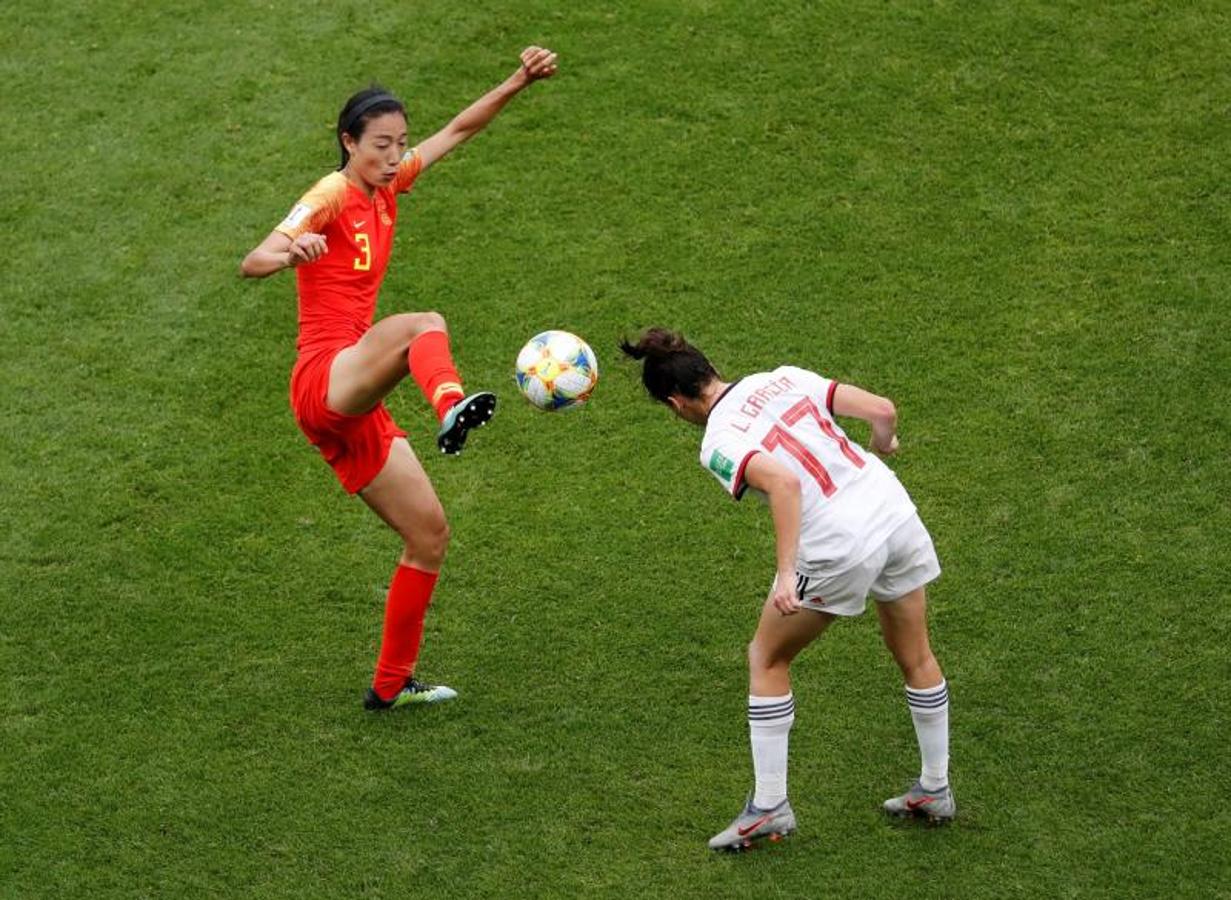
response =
{"points": [[536, 63]]}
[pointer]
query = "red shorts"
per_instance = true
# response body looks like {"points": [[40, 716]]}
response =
{"points": [[356, 446]]}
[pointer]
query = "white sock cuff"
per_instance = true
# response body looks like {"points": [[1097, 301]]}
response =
{"points": [[771, 710], [928, 700], [754, 700]]}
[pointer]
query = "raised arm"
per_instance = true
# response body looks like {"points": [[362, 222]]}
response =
{"points": [[536, 63], [781, 487], [878, 412]]}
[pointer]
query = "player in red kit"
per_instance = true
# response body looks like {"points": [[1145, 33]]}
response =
{"points": [[338, 238]]}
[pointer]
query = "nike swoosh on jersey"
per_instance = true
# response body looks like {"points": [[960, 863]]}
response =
{"points": [[359, 224]]}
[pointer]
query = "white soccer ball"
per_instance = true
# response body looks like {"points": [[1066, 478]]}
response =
{"points": [[556, 370]]}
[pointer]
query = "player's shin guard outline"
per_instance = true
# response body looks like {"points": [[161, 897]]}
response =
{"points": [[769, 728], [410, 595], [929, 710], [430, 361]]}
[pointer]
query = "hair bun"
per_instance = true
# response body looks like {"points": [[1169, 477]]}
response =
{"points": [[672, 365], [657, 343]]}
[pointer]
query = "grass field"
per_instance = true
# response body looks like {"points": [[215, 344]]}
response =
{"points": [[1011, 218]]}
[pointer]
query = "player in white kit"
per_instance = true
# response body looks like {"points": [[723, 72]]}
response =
{"points": [[845, 529]]}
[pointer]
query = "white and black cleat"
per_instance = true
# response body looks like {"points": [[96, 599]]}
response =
{"points": [[469, 412]]}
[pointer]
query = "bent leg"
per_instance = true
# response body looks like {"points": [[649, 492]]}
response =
{"points": [[364, 373], [904, 628], [776, 643], [404, 498], [771, 705]]}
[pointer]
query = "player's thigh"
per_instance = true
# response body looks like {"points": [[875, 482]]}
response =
{"points": [[900, 591], [904, 626], [779, 638], [402, 495], [364, 373]]}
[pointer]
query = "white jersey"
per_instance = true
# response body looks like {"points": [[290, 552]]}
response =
{"points": [[850, 501]]}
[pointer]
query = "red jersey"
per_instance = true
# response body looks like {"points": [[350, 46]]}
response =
{"points": [[337, 293]]}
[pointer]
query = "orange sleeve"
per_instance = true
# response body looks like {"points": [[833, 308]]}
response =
{"points": [[408, 170], [315, 209]]}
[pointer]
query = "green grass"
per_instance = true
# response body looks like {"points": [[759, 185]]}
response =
{"points": [[1011, 218]]}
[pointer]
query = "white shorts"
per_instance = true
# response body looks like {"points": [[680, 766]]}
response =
{"points": [[906, 561]]}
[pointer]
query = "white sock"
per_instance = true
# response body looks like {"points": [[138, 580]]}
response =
{"points": [[769, 726], [929, 708]]}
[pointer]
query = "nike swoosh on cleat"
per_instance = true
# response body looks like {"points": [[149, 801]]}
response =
{"points": [[915, 804], [748, 829]]}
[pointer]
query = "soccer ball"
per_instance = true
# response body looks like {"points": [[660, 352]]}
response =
{"points": [[556, 370]]}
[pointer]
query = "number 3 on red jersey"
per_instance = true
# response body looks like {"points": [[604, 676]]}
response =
{"points": [[364, 262], [780, 437]]}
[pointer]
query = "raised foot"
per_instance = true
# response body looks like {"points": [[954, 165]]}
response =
{"points": [[469, 412]]}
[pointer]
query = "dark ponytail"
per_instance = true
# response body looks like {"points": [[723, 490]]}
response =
{"points": [[672, 365], [359, 109]]}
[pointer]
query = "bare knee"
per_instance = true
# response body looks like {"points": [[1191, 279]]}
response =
{"points": [[405, 327], [763, 658], [919, 668], [417, 323], [428, 542], [435, 540]]}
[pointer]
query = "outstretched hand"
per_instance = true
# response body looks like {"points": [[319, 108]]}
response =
{"points": [[538, 63]]}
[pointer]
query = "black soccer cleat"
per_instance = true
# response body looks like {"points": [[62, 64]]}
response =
{"points": [[467, 413]]}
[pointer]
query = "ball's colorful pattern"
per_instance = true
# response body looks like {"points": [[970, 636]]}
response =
{"points": [[556, 370]]}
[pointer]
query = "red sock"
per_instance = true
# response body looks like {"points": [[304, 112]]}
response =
{"points": [[431, 364], [407, 603]]}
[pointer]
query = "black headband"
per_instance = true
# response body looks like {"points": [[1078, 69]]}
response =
{"points": [[361, 108]]}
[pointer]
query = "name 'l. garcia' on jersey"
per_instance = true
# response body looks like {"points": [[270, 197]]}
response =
{"points": [[850, 501]]}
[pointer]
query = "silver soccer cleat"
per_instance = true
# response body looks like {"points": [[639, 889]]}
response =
{"points": [[936, 806], [754, 824]]}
